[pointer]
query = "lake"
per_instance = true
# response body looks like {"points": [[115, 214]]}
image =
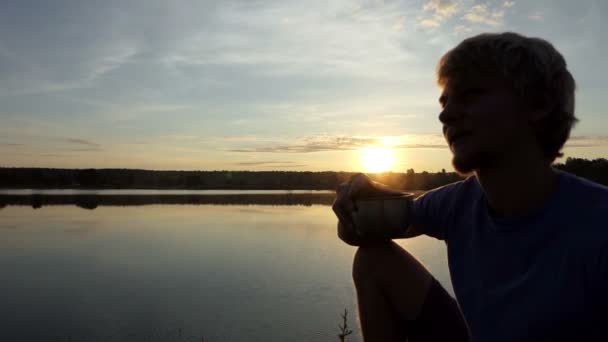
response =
{"points": [[247, 269]]}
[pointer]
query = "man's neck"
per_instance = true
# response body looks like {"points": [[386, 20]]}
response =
{"points": [[517, 190]]}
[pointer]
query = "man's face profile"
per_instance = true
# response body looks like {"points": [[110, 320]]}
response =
{"points": [[483, 122]]}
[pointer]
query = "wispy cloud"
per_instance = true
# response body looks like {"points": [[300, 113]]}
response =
{"points": [[325, 143], [440, 10], [478, 14], [460, 29], [345, 143], [83, 145], [274, 40], [270, 164], [399, 116], [263, 162], [84, 142], [537, 16], [484, 14], [82, 74], [140, 111], [587, 141], [85, 149], [315, 144]]}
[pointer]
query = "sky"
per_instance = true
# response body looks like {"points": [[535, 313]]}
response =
{"points": [[260, 84]]}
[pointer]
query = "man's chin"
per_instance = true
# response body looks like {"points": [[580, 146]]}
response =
{"points": [[465, 165], [462, 169]]}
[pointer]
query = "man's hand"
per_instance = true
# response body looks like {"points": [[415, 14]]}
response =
{"points": [[359, 186]]}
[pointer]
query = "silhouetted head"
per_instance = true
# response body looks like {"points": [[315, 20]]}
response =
{"points": [[505, 96]]}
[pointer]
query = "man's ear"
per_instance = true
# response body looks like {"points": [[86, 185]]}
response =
{"points": [[538, 115], [541, 109]]}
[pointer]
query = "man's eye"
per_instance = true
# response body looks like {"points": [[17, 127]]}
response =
{"points": [[472, 92]]}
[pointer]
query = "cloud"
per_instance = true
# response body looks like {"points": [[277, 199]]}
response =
{"points": [[30, 77], [324, 143], [536, 16], [462, 29], [441, 10], [141, 111], [399, 116], [53, 155], [346, 143], [587, 141], [400, 24], [315, 144], [366, 42], [483, 14], [271, 164], [84, 145], [92, 149], [82, 142], [261, 163], [11, 144], [429, 23]]}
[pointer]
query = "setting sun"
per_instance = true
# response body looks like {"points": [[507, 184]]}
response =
{"points": [[377, 159]]}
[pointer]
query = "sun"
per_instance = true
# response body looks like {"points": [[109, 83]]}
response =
{"points": [[377, 159]]}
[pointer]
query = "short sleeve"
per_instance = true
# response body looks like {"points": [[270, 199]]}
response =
{"points": [[434, 211]]}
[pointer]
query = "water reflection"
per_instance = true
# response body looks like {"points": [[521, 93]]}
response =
{"points": [[158, 272], [27, 192], [37, 201]]}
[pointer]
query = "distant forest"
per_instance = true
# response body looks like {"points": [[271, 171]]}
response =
{"points": [[43, 178]]}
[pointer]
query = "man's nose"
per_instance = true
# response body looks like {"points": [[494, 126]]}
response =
{"points": [[448, 115]]}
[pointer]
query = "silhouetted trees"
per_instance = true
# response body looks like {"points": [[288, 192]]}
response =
{"points": [[144, 179], [87, 178], [595, 170]]}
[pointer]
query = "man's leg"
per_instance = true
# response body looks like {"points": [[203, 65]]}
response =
{"points": [[398, 298]]}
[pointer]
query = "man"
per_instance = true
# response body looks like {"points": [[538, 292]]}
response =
{"points": [[527, 244]]}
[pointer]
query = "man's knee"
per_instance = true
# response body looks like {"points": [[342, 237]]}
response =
{"points": [[370, 260], [387, 262]]}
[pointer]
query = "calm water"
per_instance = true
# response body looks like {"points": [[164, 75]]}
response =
{"points": [[152, 192], [179, 272]]}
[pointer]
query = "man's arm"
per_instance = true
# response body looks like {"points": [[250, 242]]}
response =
{"points": [[361, 186]]}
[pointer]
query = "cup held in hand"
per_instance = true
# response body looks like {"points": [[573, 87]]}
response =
{"points": [[382, 218]]}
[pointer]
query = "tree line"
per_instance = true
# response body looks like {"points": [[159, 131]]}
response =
{"points": [[46, 178]]}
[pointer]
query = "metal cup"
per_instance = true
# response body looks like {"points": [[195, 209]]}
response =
{"points": [[382, 218]]}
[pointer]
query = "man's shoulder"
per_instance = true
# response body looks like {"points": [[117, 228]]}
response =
{"points": [[458, 192], [587, 206], [585, 193]]}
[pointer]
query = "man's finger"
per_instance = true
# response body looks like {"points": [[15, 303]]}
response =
{"points": [[342, 187], [341, 212], [343, 204], [360, 184]]}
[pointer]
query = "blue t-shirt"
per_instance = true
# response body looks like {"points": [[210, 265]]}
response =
{"points": [[542, 277]]}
